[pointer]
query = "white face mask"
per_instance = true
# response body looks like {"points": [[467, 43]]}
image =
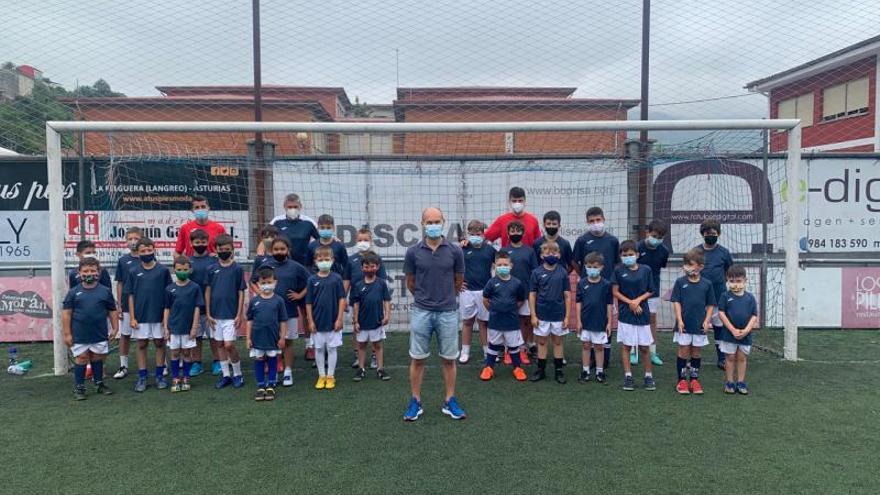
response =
{"points": [[90, 256], [597, 227], [292, 213], [517, 207], [362, 246], [267, 288]]}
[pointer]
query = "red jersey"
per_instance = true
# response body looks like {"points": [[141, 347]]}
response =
{"points": [[213, 229], [498, 229]]}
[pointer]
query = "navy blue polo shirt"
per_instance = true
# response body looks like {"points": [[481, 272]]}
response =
{"points": [[594, 298], [717, 261], [551, 288], [370, 298], [565, 251], [354, 270], [694, 297], [266, 315], [655, 259], [632, 284], [607, 245], [434, 272], [181, 301], [103, 278], [524, 263], [478, 263], [147, 286], [289, 276], [739, 310], [504, 298], [298, 233], [260, 260], [123, 267], [323, 294], [227, 286], [90, 308], [200, 267]]}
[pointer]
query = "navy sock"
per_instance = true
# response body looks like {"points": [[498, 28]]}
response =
{"points": [[681, 365], [187, 366], [557, 363], [492, 354], [260, 372], [607, 353], [142, 373], [272, 363], [542, 364], [79, 374], [160, 370], [98, 371], [515, 359], [175, 369], [695, 367]]}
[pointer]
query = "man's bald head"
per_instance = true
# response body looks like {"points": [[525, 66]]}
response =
{"points": [[432, 214]]}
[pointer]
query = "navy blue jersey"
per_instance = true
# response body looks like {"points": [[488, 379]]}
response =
{"points": [[717, 261], [478, 265], [551, 288], [227, 284], [260, 260], [266, 315], [354, 270], [147, 286], [90, 309], [324, 294], [289, 276], [200, 267], [524, 263], [181, 301], [504, 298], [565, 251], [739, 310], [340, 256], [694, 297], [370, 298], [607, 245], [73, 278], [632, 284], [655, 259], [298, 233], [594, 298], [123, 267]]}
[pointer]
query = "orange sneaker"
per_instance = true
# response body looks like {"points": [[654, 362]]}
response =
{"points": [[507, 360], [487, 374], [696, 388], [682, 387], [519, 374], [524, 357]]}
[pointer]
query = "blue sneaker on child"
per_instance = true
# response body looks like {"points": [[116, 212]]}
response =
{"points": [[413, 411], [196, 369], [238, 381], [223, 382], [215, 368], [453, 410]]}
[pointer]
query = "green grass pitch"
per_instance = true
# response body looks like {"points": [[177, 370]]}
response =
{"points": [[808, 427]]}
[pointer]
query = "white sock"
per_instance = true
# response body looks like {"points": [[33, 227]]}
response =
{"points": [[653, 348], [236, 368], [224, 367], [331, 361], [599, 370], [628, 375], [288, 371], [586, 368], [123, 361], [648, 374], [311, 342], [319, 360]]}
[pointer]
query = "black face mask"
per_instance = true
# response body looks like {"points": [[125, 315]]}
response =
{"points": [[200, 249], [710, 240], [516, 237], [551, 231], [280, 257], [224, 255]]}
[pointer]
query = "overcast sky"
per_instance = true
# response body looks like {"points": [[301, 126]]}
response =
{"points": [[699, 49]]}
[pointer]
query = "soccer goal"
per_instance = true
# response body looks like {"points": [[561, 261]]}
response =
{"points": [[378, 176]]}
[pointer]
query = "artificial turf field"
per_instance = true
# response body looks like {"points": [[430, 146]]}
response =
{"points": [[807, 427]]}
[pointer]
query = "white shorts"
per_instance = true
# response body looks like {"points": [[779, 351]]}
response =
{"points": [[260, 354], [732, 347], [691, 339], [125, 326], [634, 335], [325, 340], [510, 338], [224, 330], [181, 342], [524, 310], [292, 333], [470, 304], [377, 335], [546, 328], [147, 331], [204, 330], [653, 303], [102, 347], [599, 338], [716, 319]]}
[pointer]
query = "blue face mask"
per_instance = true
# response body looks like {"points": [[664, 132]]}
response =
{"points": [[628, 260], [593, 272], [325, 266], [476, 240], [147, 258], [325, 233], [551, 259], [201, 214], [502, 271], [653, 241], [434, 230]]}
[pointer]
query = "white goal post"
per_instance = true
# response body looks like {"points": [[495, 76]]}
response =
{"points": [[54, 129]]}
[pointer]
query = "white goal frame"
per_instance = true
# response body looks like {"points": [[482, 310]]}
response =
{"points": [[55, 187]]}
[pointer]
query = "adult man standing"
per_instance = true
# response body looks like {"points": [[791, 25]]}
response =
{"points": [[200, 210], [299, 229], [498, 230], [434, 271]]}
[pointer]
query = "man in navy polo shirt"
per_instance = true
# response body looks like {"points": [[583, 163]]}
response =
{"points": [[434, 271]]}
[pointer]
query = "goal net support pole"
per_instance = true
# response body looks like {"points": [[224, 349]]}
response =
{"points": [[55, 185]]}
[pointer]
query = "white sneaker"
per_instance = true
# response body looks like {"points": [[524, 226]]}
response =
{"points": [[465, 355], [121, 373], [287, 381]]}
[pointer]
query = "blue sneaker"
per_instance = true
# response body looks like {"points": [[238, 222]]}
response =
{"points": [[196, 369], [453, 410], [161, 383], [223, 382], [741, 388], [413, 411], [238, 381], [215, 368], [141, 384]]}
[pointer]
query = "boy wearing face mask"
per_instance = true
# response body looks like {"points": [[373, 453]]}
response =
{"points": [[183, 298], [299, 229], [500, 227], [593, 316], [632, 285], [200, 262], [354, 275], [290, 285], [200, 221], [371, 312], [550, 307], [738, 311], [146, 294], [267, 323], [325, 307], [524, 263], [224, 306], [654, 254], [326, 233], [693, 300], [478, 259], [125, 264], [87, 249], [718, 261], [503, 296]]}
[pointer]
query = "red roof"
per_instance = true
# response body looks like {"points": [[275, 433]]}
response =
{"points": [[27, 71]]}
